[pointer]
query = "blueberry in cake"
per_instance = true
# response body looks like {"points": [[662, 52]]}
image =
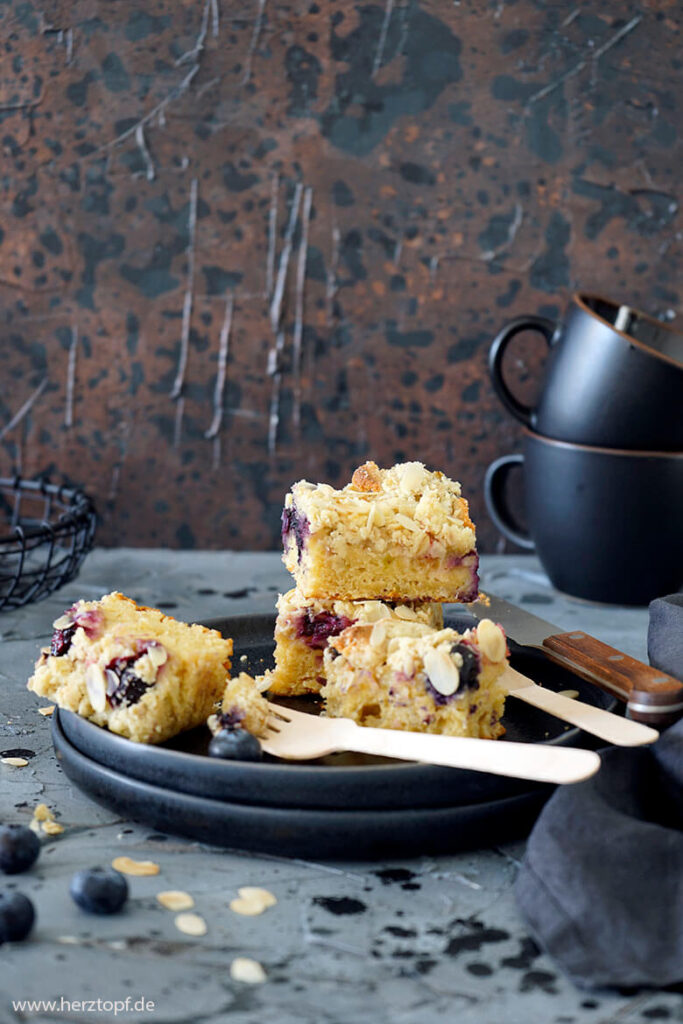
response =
{"points": [[400, 534], [304, 626], [404, 675], [132, 669]]}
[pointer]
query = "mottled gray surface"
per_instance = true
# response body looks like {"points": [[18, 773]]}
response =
{"points": [[411, 942]]}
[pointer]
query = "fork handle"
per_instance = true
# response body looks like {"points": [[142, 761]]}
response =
{"points": [[540, 763]]}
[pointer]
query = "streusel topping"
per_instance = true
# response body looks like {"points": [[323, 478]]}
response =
{"points": [[418, 509]]}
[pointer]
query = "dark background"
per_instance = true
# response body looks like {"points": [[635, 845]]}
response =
{"points": [[355, 196]]}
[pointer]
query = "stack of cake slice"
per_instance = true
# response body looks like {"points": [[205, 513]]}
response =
{"points": [[363, 626]]}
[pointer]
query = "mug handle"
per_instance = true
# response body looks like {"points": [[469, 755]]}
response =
{"points": [[519, 410], [494, 494]]}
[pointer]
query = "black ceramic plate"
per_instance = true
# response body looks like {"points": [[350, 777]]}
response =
{"points": [[297, 832], [340, 780]]}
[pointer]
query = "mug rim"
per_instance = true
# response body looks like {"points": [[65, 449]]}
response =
{"points": [[580, 297], [601, 450]]}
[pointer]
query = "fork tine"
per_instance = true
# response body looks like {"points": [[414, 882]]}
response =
{"points": [[278, 712]]}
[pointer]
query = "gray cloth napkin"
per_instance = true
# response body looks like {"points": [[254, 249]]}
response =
{"points": [[601, 885]]}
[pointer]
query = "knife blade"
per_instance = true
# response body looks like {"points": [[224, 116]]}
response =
{"points": [[651, 696]]}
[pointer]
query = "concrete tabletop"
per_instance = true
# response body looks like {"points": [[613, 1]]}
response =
{"points": [[407, 942]]}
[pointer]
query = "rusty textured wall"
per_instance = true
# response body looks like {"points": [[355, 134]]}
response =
{"points": [[247, 242]]}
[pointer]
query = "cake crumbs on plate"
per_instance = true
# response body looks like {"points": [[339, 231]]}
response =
{"points": [[191, 924], [128, 866]]}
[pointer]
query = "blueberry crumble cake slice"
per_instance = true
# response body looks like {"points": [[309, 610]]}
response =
{"points": [[132, 669], [305, 624], [399, 534], [403, 675]]}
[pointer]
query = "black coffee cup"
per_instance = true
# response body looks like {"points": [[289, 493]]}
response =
{"points": [[614, 377], [606, 524]]}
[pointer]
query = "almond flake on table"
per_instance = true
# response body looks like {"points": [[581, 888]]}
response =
{"points": [[247, 970], [52, 828], [47, 710], [191, 924], [15, 762], [175, 899], [128, 866], [44, 821], [252, 901]]}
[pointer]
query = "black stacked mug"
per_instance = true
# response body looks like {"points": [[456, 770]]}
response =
{"points": [[602, 453]]}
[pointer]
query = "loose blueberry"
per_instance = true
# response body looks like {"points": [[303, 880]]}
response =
{"points": [[99, 890], [235, 745], [19, 848], [16, 916], [469, 670]]}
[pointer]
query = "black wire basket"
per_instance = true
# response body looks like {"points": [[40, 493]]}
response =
{"points": [[45, 533]]}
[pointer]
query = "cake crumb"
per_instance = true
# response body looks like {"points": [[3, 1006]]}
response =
{"points": [[47, 710]]}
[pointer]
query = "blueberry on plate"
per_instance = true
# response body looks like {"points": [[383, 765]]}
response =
{"points": [[99, 890], [235, 745], [19, 848], [16, 916]]}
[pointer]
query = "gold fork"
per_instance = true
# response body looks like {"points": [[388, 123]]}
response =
{"points": [[296, 736]]}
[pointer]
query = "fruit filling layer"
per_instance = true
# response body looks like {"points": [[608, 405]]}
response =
{"points": [[315, 630], [296, 525]]}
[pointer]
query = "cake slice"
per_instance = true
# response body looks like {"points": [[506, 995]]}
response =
{"points": [[403, 675], [400, 534], [132, 669], [305, 624]]}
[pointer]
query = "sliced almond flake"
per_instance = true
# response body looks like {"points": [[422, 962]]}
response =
{"points": [[572, 694], [252, 901], [15, 762], [491, 640], [46, 711], [175, 899], [63, 622], [249, 971], [158, 655], [96, 685], [402, 611], [375, 611], [43, 813], [191, 924], [52, 828], [442, 671], [409, 524], [128, 866]]}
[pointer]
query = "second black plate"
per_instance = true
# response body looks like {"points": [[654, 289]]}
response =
{"points": [[340, 780]]}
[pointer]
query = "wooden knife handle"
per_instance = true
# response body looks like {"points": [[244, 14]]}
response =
{"points": [[650, 695]]}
